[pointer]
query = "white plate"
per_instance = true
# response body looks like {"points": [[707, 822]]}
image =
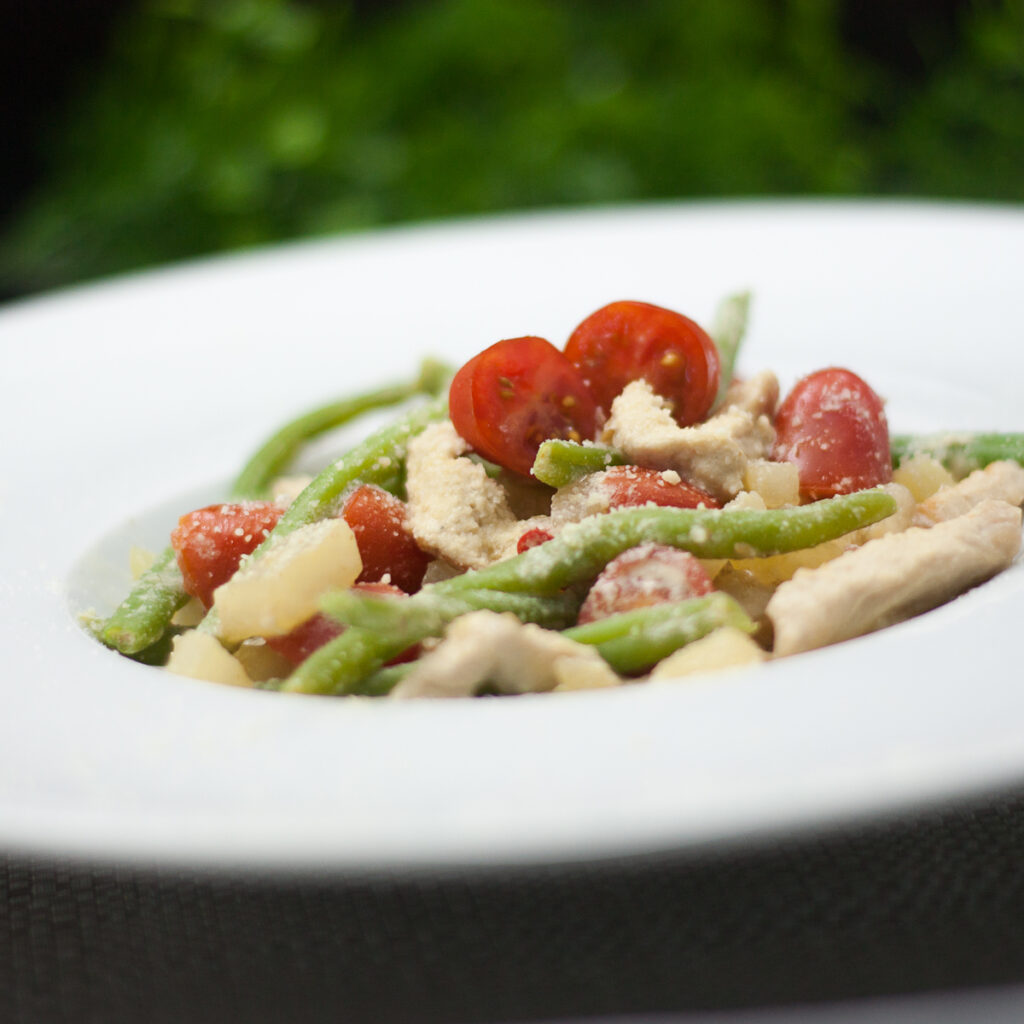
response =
{"points": [[123, 403]]}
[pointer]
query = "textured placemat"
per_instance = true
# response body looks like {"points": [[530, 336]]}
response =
{"points": [[906, 906]]}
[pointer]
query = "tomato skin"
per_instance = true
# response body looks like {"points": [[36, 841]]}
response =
{"points": [[210, 542], [626, 341], [386, 545], [646, 575], [533, 538], [633, 486], [305, 638], [832, 426], [312, 634], [519, 392]]}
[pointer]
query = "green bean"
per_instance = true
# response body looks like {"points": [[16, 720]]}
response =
{"points": [[381, 628], [578, 554], [277, 452], [143, 616], [631, 642], [960, 452], [383, 681], [380, 459], [428, 612], [340, 666], [727, 331], [560, 463], [581, 550]]}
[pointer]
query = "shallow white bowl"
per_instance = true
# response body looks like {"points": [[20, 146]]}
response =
{"points": [[123, 404]]}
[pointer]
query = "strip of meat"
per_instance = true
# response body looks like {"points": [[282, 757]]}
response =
{"points": [[1001, 481], [893, 578]]}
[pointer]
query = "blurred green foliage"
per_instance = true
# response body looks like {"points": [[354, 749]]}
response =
{"points": [[218, 124]]}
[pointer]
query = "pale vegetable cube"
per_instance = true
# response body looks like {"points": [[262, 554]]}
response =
{"points": [[713, 566], [189, 614], [777, 568], [749, 590], [285, 489], [922, 476], [777, 482], [583, 674], [271, 595], [747, 500], [261, 662], [726, 647], [139, 560], [200, 656]]}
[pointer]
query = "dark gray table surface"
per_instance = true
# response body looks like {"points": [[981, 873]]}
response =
{"points": [[924, 905]]}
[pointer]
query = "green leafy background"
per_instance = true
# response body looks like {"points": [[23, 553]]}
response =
{"points": [[219, 124]]}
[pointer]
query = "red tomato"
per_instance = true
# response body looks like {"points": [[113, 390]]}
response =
{"points": [[642, 576], [833, 427], [532, 538], [625, 341], [304, 639], [211, 541], [385, 544], [516, 394], [631, 486]]}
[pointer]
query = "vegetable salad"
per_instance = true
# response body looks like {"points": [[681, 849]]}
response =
{"points": [[620, 509]]}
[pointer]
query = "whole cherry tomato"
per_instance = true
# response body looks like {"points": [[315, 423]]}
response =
{"points": [[210, 542], [632, 486], [516, 394], [625, 341], [646, 575], [832, 426], [386, 546]]}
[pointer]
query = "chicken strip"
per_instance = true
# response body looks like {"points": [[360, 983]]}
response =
{"points": [[1002, 481], [893, 578]]}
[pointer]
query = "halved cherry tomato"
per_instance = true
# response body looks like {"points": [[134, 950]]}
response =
{"points": [[643, 576], [625, 341], [632, 486], [516, 394], [210, 542], [832, 426], [386, 546], [312, 634]]}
